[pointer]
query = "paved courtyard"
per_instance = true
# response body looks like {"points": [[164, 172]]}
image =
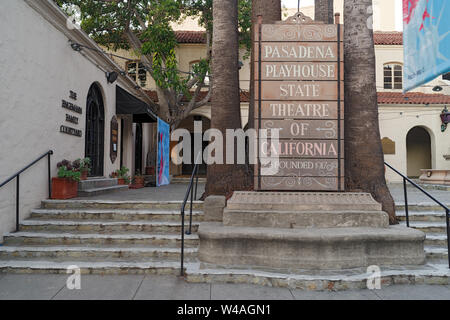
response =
{"points": [[140, 287]]}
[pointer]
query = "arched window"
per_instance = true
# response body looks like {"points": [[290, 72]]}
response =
{"points": [[137, 72], [393, 76]]}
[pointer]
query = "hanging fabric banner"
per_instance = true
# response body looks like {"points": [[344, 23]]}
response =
{"points": [[426, 40], [162, 160]]}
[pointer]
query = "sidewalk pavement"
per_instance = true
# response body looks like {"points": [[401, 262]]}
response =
{"points": [[150, 287]]}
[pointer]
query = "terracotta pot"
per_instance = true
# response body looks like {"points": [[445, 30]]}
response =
{"points": [[84, 174], [139, 181], [121, 181], [150, 171], [64, 188], [136, 186]]}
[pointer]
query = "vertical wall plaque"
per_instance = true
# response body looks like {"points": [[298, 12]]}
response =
{"points": [[114, 139]]}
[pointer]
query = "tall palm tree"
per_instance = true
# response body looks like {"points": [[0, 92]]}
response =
{"points": [[364, 159], [223, 179], [270, 12], [324, 11]]}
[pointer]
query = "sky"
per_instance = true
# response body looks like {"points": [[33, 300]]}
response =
{"points": [[306, 3]]}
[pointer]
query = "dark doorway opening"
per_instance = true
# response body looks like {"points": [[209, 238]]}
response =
{"points": [[418, 147], [138, 148], [95, 130]]}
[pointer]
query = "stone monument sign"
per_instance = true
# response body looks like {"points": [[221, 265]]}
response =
{"points": [[299, 90]]}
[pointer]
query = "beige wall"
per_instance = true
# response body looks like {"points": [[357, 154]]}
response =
{"points": [[395, 123]]}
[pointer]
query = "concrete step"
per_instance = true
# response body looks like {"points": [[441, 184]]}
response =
{"points": [[104, 226], [431, 216], [115, 214], [305, 219], [94, 183], [101, 190], [183, 180], [90, 253], [335, 280], [425, 206], [436, 240], [87, 267], [428, 227], [436, 253], [109, 204], [42, 238]]}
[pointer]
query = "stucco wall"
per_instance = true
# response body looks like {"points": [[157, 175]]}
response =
{"points": [[39, 68], [396, 122]]}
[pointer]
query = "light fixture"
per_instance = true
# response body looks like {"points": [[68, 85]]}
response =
{"points": [[240, 65], [437, 89], [76, 46], [112, 76]]}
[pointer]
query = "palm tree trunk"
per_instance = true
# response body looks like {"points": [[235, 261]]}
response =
{"points": [[324, 11], [270, 11], [364, 159], [223, 179]]}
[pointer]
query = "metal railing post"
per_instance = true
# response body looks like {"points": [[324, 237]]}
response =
{"points": [[17, 202], [182, 243], [405, 192], [49, 176], [196, 184], [447, 218], [190, 213]]}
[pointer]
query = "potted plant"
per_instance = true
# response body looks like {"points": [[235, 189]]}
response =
{"points": [[84, 166], [65, 186], [122, 176], [138, 181]]}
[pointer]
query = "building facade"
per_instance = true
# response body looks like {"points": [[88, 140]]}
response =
{"points": [[55, 95]]}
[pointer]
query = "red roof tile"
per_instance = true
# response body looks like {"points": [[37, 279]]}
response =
{"points": [[190, 36], [383, 97], [380, 38], [412, 98], [388, 38]]}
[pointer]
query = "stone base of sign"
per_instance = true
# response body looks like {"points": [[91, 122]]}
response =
{"points": [[320, 231], [213, 208], [310, 248]]}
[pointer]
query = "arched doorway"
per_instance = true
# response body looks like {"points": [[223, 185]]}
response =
{"points": [[95, 130], [418, 149]]}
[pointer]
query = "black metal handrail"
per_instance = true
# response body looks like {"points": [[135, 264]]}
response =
{"points": [[17, 177], [405, 192], [190, 191]]}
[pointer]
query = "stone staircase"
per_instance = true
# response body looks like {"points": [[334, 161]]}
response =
{"points": [[431, 220], [101, 237]]}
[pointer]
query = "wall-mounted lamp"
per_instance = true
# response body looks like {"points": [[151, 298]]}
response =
{"points": [[112, 76], [240, 65], [76, 46], [445, 118]]}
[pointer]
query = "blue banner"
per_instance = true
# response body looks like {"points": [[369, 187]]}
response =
{"points": [[162, 160], [426, 41]]}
